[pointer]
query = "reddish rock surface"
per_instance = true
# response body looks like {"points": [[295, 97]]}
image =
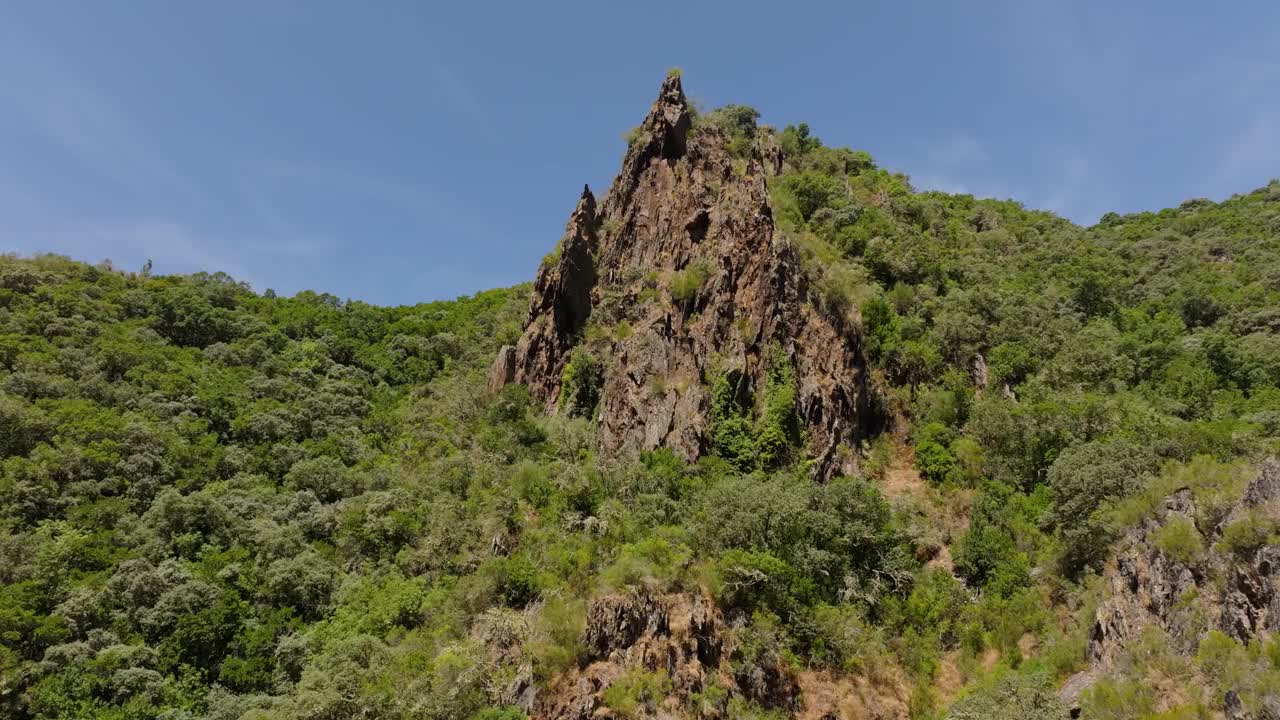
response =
{"points": [[684, 207]]}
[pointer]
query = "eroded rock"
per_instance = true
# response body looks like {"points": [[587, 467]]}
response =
{"points": [[1147, 587], [681, 268]]}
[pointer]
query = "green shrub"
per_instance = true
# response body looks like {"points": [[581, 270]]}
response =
{"points": [[738, 123], [515, 579], [797, 141], [753, 580], [687, 283], [532, 484], [881, 325], [557, 639], [1180, 540], [813, 190], [1085, 481], [844, 640], [1215, 486], [1009, 695], [580, 384], [656, 560], [1118, 699], [935, 462], [778, 430], [768, 442], [731, 426], [636, 693], [1246, 536], [1011, 363]]}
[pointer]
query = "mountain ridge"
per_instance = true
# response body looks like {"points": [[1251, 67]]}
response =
{"points": [[771, 434]]}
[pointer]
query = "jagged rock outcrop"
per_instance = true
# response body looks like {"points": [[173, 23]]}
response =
{"points": [[503, 370], [1149, 587], [559, 310], [1187, 594], [683, 274], [684, 638], [677, 634]]}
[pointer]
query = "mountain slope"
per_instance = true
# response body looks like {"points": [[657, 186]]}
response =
{"points": [[772, 434]]}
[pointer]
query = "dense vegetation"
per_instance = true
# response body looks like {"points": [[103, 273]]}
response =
{"points": [[221, 504], [1048, 376], [1046, 365]]}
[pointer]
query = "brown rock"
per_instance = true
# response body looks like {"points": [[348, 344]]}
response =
{"points": [[1265, 487], [683, 209], [560, 307], [616, 622], [503, 370], [1148, 588], [678, 634]]}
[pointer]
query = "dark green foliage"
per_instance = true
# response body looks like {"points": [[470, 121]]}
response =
{"points": [[1154, 328], [934, 461], [580, 384], [813, 190], [880, 322], [785, 544], [1082, 480], [738, 123], [317, 510], [778, 431], [192, 474], [1003, 530], [768, 441], [797, 142], [1011, 363], [731, 426]]}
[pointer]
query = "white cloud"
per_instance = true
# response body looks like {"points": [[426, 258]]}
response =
{"points": [[403, 195], [957, 164]]}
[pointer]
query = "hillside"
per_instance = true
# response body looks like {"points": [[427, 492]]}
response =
{"points": [[771, 434]]}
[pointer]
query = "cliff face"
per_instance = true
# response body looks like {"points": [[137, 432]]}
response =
{"points": [[1184, 591], [682, 272], [684, 638], [1236, 593]]}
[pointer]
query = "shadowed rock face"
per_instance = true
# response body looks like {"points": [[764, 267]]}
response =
{"points": [[559, 310], [685, 214]]}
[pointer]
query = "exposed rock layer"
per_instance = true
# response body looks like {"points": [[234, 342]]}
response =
{"points": [[1229, 590], [684, 212], [1149, 587], [683, 638]]}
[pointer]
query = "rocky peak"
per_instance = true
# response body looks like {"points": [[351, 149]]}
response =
{"points": [[559, 310], [679, 278]]}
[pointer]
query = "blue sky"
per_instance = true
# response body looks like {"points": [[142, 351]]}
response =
{"points": [[397, 152]]}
